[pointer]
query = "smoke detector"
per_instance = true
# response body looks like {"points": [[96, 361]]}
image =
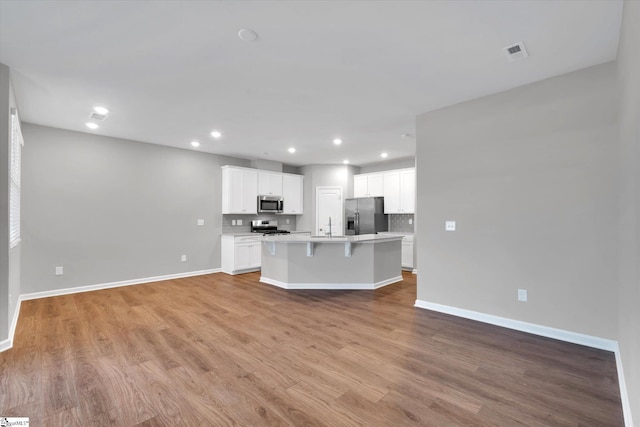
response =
{"points": [[515, 52]]}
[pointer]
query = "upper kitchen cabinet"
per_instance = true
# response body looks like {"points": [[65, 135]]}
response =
{"points": [[368, 185], [269, 183], [292, 194], [239, 190], [399, 191]]}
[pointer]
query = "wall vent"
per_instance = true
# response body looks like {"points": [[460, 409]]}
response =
{"points": [[515, 52], [96, 116]]}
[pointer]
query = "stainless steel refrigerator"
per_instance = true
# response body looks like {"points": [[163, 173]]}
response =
{"points": [[365, 215]]}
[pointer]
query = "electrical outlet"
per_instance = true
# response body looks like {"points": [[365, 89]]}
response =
{"points": [[200, 222], [287, 220], [183, 258], [522, 295], [59, 271], [233, 222], [450, 225], [239, 222], [410, 221]]}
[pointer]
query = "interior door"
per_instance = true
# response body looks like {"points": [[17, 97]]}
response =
{"points": [[329, 211]]}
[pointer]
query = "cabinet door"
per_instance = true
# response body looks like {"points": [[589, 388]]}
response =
{"points": [[407, 191], [360, 186], [407, 254], [249, 192], [255, 255], [292, 194], [242, 256], [392, 192], [239, 191], [375, 185], [269, 183]]}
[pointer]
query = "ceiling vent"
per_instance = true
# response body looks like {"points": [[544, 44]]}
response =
{"points": [[96, 116], [515, 52]]}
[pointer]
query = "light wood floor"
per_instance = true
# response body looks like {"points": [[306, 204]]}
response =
{"points": [[219, 350]]}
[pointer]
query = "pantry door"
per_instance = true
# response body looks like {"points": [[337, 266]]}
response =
{"points": [[329, 210]]}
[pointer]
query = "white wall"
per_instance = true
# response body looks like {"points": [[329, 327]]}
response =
{"points": [[629, 215], [530, 177]]}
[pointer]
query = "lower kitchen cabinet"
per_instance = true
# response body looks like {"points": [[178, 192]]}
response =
{"points": [[241, 254], [407, 252]]}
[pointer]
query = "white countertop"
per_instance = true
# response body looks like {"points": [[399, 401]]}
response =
{"points": [[363, 238]]}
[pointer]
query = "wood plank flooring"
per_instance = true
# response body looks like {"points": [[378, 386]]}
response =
{"points": [[220, 350]]}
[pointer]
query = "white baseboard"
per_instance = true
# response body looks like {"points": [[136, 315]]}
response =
{"points": [[8, 343], [331, 286], [532, 328], [624, 396], [415, 271], [545, 331], [67, 291]]}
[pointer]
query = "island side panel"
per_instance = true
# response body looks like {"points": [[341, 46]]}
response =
{"points": [[387, 262]]}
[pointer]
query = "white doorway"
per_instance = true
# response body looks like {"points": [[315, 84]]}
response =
{"points": [[329, 211]]}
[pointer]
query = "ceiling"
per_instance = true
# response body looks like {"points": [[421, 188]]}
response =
{"points": [[172, 71]]}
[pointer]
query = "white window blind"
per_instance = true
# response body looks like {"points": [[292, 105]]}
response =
{"points": [[14, 186]]}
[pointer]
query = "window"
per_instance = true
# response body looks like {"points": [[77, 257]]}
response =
{"points": [[14, 185]]}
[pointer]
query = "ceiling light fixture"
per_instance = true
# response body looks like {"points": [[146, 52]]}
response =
{"points": [[384, 155], [346, 162], [247, 35], [292, 150], [195, 144], [92, 126], [101, 110], [216, 134], [337, 141]]}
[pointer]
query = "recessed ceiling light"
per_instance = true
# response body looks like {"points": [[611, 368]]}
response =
{"points": [[337, 141], [292, 150], [92, 126], [216, 134], [195, 144], [101, 110], [346, 162], [247, 35], [383, 155]]}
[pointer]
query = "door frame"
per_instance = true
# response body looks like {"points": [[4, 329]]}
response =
{"points": [[330, 187]]}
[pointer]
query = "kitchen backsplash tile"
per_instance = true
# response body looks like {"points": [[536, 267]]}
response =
{"points": [[400, 223], [246, 222]]}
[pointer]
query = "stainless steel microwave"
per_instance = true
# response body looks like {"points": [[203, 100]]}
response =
{"points": [[273, 204]]}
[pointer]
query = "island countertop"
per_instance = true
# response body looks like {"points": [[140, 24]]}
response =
{"points": [[362, 238]]}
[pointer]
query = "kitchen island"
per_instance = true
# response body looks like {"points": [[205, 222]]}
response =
{"points": [[367, 261]]}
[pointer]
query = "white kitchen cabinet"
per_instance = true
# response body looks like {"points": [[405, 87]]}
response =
{"points": [[407, 253], [292, 194], [399, 191], [269, 183], [368, 185], [241, 254], [239, 190]]}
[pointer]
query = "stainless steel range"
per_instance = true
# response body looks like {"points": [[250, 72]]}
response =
{"points": [[266, 227]]}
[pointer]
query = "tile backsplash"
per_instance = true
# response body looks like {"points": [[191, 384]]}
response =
{"points": [[400, 223], [246, 222]]}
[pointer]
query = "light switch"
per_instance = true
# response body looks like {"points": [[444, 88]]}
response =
{"points": [[410, 221], [450, 225], [239, 222], [200, 221], [233, 222], [59, 271]]}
